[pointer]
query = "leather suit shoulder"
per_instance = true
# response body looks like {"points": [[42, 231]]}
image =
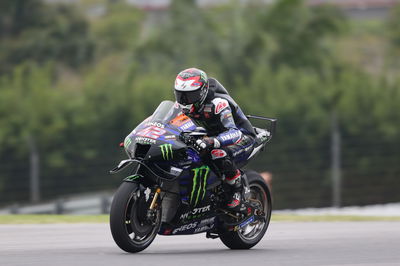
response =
{"points": [[220, 105]]}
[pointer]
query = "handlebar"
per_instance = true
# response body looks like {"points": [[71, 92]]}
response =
{"points": [[189, 137]]}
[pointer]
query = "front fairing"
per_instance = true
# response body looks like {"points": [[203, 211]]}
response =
{"points": [[154, 145], [157, 137]]}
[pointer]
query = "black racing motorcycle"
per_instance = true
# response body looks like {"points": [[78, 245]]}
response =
{"points": [[171, 190]]}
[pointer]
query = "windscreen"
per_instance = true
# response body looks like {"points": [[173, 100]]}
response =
{"points": [[164, 112]]}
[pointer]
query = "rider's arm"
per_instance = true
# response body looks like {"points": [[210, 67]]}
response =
{"points": [[232, 134]]}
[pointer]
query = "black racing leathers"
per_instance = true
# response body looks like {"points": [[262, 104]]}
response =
{"points": [[224, 120]]}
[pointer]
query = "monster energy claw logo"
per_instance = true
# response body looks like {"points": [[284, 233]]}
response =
{"points": [[166, 150], [199, 187], [132, 177]]}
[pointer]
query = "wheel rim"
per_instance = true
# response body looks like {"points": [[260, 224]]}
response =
{"points": [[253, 230], [139, 231]]}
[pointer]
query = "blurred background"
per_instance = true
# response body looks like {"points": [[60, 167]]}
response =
{"points": [[76, 76]]}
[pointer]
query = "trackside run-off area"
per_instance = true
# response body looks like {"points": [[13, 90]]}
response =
{"points": [[288, 241]]}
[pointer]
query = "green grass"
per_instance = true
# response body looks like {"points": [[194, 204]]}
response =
{"points": [[51, 219], [54, 219]]}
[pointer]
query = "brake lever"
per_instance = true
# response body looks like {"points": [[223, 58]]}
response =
{"points": [[190, 137], [188, 140]]}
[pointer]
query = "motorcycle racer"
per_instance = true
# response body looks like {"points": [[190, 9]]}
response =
{"points": [[230, 138]]}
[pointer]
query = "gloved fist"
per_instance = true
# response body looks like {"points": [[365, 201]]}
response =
{"points": [[204, 144]]}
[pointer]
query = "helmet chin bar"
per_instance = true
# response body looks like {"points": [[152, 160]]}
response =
{"points": [[186, 108]]}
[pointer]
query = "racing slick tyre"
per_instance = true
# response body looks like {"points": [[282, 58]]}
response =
{"points": [[130, 225], [251, 234]]}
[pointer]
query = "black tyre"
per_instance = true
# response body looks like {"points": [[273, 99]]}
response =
{"points": [[130, 228], [251, 234]]}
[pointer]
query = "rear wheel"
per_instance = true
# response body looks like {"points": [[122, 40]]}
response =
{"points": [[251, 234], [131, 227]]}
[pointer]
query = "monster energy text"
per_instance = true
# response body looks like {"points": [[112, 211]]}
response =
{"points": [[199, 187], [166, 150]]}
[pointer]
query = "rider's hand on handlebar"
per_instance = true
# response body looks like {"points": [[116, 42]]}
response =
{"points": [[204, 144], [187, 139]]}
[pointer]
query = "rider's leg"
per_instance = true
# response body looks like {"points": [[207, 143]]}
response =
{"points": [[225, 159], [231, 173]]}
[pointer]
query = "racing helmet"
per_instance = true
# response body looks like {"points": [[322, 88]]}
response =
{"points": [[191, 88]]}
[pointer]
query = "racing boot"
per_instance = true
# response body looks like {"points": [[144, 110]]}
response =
{"points": [[234, 204], [235, 182]]}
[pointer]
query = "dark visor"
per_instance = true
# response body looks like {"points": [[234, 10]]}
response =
{"points": [[187, 97]]}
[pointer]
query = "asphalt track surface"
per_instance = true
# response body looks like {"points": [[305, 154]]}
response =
{"points": [[286, 243]]}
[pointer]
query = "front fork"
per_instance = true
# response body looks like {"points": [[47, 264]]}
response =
{"points": [[152, 211], [155, 197]]}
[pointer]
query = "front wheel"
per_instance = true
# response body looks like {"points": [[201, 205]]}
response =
{"points": [[131, 227], [251, 234]]}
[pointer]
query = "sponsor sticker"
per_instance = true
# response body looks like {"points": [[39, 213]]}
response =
{"points": [[155, 124], [175, 171], [229, 136], [188, 125], [251, 219], [127, 142], [132, 177], [144, 140], [185, 227], [179, 120], [199, 187], [152, 132], [195, 212], [207, 221], [166, 151], [204, 228], [170, 137]]}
